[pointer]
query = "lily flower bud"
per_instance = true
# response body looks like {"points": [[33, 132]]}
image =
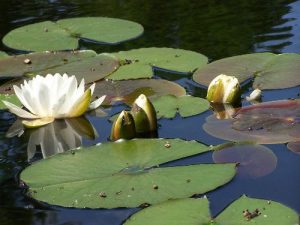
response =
{"points": [[123, 127], [144, 114], [224, 89]]}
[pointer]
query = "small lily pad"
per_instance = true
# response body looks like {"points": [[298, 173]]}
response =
{"points": [[254, 160], [123, 174], [196, 211], [10, 98], [65, 34], [167, 106], [139, 63], [264, 123], [269, 71], [128, 90]]}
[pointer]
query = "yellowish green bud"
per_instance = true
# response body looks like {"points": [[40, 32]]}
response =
{"points": [[123, 127], [144, 114], [224, 89]]}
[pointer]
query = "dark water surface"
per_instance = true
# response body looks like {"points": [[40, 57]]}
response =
{"points": [[216, 28]]}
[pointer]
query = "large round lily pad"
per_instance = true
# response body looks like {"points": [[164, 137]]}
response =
{"points": [[139, 63], [128, 90], [83, 64], [32, 64], [269, 71], [265, 123], [65, 34], [196, 211], [123, 174], [168, 105]]}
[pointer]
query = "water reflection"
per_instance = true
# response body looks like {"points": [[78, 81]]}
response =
{"points": [[56, 137], [215, 28]]}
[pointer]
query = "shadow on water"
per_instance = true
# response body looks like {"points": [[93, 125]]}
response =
{"points": [[215, 28]]}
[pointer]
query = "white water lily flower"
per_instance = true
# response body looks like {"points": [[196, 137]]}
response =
{"points": [[53, 97]]}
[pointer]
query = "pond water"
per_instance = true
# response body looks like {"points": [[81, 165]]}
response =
{"points": [[216, 29]]}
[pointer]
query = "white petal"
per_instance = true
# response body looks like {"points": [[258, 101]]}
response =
{"points": [[19, 93], [95, 104], [18, 111], [92, 87]]}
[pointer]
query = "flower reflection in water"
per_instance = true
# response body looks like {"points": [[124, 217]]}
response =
{"points": [[56, 137]]}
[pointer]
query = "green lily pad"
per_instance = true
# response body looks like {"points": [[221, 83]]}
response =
{"points": [[167, 106], [183, 211], [265, 123], [269, 71], [272, 213], [139, 63], [123, 174], [196, 211], [83, 64], [65, 34], [10, 98], [3, 54], [128, 90]]}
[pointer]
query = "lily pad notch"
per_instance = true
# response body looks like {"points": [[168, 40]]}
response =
{"points": [[65, 34], [191, 211]]}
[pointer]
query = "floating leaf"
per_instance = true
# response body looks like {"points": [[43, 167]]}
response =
{"points": [[139, 63], [265, 123], [123, 174], [254, 160], [91, 69], [196, 211], [183, 211], [83, 64], [3, 54], [32, 64], [10, 98], [128, 90], [272, 213], [270, 71], [167, 106], [65, 34]]}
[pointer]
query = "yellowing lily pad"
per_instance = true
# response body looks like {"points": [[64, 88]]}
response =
{"points": [[167, 106], [265, 123], [269, 71], [83, 64], [123, 174], [65, 34], [32, 64], [196, 211], [139, 63], [128, 90]]}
